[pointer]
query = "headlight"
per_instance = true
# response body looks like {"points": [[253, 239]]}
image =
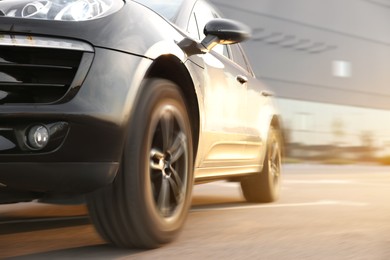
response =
{"points": [[64, 10]]}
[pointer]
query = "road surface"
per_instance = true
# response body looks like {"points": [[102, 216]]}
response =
{"points": [[325, 212]]}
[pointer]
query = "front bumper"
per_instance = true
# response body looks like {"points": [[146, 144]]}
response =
{"points": [[62, 178], [86, 155]]}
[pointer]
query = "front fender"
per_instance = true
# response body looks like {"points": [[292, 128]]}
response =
{"points": [[163, 48]]}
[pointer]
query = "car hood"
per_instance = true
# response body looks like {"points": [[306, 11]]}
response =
{"points": [[132, 29]]}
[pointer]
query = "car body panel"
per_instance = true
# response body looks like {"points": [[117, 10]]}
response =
{"points": [[122, 31], [233, 123]]}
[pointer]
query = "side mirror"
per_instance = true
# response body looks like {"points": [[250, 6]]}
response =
{"points": [[224, 31], [217, 31]]}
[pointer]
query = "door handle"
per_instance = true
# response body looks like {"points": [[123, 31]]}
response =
{"points": [[242, 79], [267, 93]]}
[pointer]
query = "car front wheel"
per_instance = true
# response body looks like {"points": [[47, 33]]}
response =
{"points": [[148, 202]]}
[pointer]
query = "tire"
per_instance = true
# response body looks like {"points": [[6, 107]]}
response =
{"points": [[265, 186], [147, 204]]}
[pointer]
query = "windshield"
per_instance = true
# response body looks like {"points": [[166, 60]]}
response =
{"points": [[165, 8]]}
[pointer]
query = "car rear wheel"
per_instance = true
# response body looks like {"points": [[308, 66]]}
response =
{"points": [[265, 186], [148, 202]]}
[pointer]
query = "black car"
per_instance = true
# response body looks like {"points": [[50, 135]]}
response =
{"points": [[128, 104]]}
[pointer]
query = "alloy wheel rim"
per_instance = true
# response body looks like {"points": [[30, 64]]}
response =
{"points": [[169, 162], [274, 161]]}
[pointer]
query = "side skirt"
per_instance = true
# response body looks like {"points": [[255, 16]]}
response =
{"points": [[203, 175]]}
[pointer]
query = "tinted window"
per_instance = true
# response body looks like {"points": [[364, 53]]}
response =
{"points": [[165, 8], [193, 27], [239, 57], [203, 15]]}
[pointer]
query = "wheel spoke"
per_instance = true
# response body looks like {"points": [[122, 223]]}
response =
{"points": [[167, 125], [275, 169], [175, 189], [274, 151], [274, 159], [176, 185], [163, 198], [178, 147], [177, 177]]}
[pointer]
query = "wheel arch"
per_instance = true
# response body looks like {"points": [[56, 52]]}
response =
{"points": [[172, 68]]}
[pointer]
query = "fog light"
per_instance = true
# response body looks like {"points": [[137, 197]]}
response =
{"points": [[38, 137]]}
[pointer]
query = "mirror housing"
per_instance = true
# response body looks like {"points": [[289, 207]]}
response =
{"points": [[224, 31], [217, 31]]}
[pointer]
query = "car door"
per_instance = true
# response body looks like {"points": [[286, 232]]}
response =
{"points": [[257, 103], [224, 132]]}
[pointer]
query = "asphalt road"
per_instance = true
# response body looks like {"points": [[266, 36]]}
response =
{"points": [[325, 212]]}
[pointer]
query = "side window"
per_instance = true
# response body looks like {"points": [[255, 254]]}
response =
{"points": [[239, 57], [201, 15], [193, 27]]}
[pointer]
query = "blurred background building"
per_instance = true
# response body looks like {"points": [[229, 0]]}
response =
{"points": [[328, 62]]}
